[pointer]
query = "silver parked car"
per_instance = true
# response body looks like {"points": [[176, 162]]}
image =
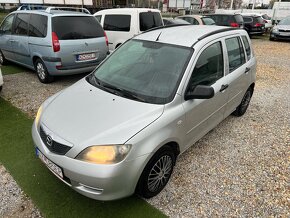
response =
{"points": [[120, 129], [53, 41], [281, 30]]}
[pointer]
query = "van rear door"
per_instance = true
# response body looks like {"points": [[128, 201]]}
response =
{"points": [[81, 39], [149, 19]]}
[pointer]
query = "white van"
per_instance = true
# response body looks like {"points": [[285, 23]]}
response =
{"points": [[121, 24]]}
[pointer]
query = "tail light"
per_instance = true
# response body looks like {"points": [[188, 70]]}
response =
{"points": [[258, 25], [234, 25], [106, 37], [55, 42]]}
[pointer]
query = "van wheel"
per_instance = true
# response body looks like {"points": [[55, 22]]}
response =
{"points": [[242, 108], [3, 60], [42, 72], [156, 173]]}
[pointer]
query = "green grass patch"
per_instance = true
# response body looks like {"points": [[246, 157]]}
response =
{"points": [[12, 69], [51, 196]]}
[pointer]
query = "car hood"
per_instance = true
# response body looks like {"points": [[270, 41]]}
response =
{"points": [[84, 114], [283, 27]]}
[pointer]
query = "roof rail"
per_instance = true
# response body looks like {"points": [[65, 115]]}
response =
{"points": [[164, 27], [31, 7], [84, 10]]}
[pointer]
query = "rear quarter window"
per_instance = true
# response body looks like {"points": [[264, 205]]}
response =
{"points": [[117, 22], [247, 46], [149, 20], [76, 27]]}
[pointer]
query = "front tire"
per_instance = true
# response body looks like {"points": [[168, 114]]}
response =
{"points": [[157, 173], [242, 108], [42, 72]]}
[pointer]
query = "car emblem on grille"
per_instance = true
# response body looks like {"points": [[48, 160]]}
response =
{"points": [[49, 140]]}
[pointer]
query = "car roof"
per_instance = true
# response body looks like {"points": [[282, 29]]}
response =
{"points": [[126, 10], [183, 35]]}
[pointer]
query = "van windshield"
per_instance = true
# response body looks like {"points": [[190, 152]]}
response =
{"points": [[149, 20], [76, 27], [143, 70]]}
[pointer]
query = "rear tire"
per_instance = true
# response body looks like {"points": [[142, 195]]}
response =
{"points": [[3, 60], [156, 173], [42, 72], [242, 108]]}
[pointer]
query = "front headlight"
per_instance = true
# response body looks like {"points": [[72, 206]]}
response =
{"points": [[39, 112], [275, 29], [104, 154]]}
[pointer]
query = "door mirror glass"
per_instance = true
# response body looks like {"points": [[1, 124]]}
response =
{"points": [[200, 92]]}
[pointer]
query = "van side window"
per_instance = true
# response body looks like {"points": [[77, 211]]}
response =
{"points": [[149, 20], [117, 23], [6, 26], [38, 26], [21, 24], [99, 18], [235, 52], [247, 47], [209, 66]]}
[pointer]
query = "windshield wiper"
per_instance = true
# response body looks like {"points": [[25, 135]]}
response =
{"points": [[124, 92]]}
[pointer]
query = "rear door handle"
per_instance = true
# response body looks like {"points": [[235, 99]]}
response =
{"points": [[247, 69], [224, 87]]}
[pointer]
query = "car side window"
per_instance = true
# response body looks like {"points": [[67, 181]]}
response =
{"points": [[247, 47], [6, 26], [99, 18], [38, 26], [209, 67], [21, 24], [117, 23], [235, 53]]}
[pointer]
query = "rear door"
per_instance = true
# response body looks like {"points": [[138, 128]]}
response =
{"points": [[5, 37], [82, 41], [238, 76], [148, 20], [119, 28]]}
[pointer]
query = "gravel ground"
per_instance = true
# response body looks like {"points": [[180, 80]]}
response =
{"points": [[239, 169]]}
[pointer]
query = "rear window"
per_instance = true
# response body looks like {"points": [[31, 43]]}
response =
{"points": [[117, 23], [248, 20], [76, 27], [149, 20], [239, 18], [266, 17], [208, 21], [258, 20]]}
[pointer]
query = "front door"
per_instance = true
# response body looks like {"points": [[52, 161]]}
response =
{"points": [[5, 37], [204, 114]]}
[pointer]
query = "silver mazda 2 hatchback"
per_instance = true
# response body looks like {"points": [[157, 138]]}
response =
{"points": [[120, 130], [53, 42]]}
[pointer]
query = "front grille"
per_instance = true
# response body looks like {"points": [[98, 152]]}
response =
{"points": [[54, 146], [284, 31]]}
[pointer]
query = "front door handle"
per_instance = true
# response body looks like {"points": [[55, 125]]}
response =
{"points": [[224, 87], [247, 69]]}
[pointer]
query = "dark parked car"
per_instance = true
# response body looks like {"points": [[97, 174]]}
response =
{"points": [[233, 20], [171, 21], [254, 25], [281, 30]]}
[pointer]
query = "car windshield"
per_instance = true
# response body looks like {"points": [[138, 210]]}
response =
{"points": [[285, 21], [143, 70]]}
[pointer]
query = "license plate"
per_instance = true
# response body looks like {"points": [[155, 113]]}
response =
{"points": [[85, 57], [285, 34], [50, 165]]}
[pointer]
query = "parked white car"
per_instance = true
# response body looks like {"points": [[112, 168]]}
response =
{"points": [[121, 24]]}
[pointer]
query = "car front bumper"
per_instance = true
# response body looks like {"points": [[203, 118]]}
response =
{"points": [[100, 182], [279, 35]]}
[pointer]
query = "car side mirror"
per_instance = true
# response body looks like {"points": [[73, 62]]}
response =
{"points": [[200, 92]]}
